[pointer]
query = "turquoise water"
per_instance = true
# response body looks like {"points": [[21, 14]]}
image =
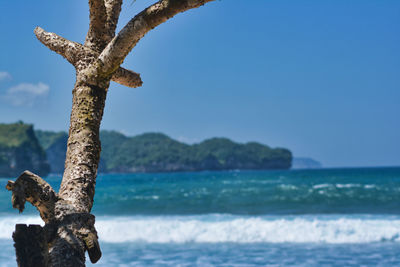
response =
{"points": [[332, 217]]}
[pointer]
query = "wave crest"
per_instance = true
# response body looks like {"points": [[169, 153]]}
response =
{"points": [[331, 229], [236, 229]]}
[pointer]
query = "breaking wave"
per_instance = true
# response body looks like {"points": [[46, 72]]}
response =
{"points": [[217, 228]]}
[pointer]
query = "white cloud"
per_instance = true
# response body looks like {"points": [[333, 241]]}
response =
{"points": [[4, 75], [26, 94]]}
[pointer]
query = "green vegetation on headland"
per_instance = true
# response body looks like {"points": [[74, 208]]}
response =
{"points": [[149, 152], [20, 150], [156, 152]]}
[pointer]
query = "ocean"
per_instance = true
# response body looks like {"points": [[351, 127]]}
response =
{"points": [[324, 217]]}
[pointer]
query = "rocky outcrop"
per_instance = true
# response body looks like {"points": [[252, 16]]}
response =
{"points": [[55, 145], [20, 151]]}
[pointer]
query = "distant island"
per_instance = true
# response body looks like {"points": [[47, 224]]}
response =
{"points": [[149, 152], [305, 163]]}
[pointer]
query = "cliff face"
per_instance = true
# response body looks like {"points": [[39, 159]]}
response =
{"points": [[55, 145], [20, 151], [155, 152]]}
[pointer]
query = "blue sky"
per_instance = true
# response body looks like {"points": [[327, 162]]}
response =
{"points": [[321, 78]]}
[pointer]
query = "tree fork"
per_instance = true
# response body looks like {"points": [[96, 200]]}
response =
{"points": [[74, 53]]}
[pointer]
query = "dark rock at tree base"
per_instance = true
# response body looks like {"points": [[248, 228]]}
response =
{"points": [[156, 152], [20, 151]]}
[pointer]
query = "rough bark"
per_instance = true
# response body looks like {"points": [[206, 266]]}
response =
{"points": [[76, 230], [74, 53], [83, 151], [69, 227], [30, 187], [113, 8], [96, 36]]}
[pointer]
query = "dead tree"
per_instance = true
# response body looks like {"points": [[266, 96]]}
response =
{"points": [[69, 227]]}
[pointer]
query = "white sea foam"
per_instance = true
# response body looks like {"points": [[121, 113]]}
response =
{"points": [[333, 229], [287, 187], [318, 186], [347, 185]]}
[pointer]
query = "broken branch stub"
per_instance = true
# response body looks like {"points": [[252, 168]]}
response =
{"points": [[31, 246], [30, 187]]}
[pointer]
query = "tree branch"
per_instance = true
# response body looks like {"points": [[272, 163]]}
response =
{"points": [[96, 36], [120, 46], [30, 187], [73, 52], [113, 8], [127, 77]]}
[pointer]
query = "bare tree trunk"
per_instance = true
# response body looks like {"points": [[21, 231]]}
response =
{"points": [[69, 227], [75, 231], [83, 151]]}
